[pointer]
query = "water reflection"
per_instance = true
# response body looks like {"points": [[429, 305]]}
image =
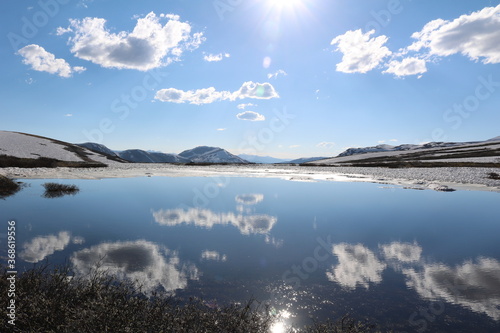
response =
{"points": [[43, 246], [249, 199], [213, 255], [357, 265], [472, 285], [402, 252], [138, 261], [247, 224]]}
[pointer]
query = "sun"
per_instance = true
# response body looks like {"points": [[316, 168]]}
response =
{"points": [[282, 4]]}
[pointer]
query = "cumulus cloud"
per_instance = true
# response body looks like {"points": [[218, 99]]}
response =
{"points": [[244, 106], [141, 262], [213, 255], [407, 66], [249, 199], [41, 60], [43, 246], [250, 116], [327, 145], [472, 285], [215, 57], [276, 74], [151, 43], [361, 52], [357, 266], [247, 224], [476, 36], [403, 252], [210, 95]]}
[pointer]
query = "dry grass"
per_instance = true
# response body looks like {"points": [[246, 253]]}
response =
{"points": [[49, 301], [8, 187], [55, 190]]}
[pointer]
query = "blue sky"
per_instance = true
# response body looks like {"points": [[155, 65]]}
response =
{"points": [[286, 78]]}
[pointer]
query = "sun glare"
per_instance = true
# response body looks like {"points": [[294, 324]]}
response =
{"points": [[282, 4]]}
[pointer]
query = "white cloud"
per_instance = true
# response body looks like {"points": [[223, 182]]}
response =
{"points": [[213, 255], [220, 129], [472, 285], [210, 95], [361, 53], [327, 145], [41, 60], [408, 66], [215, 57], [250, 116], [476, 36], [141, 262], [294, 146], [43, 246], [151, 43], [247, 224], [244, 106], [68, 115], [357, 266], [276, 74], [403, 252], [249, 199]]}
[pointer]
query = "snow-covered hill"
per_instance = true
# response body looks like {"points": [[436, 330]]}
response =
{"points": [[305, 160], [15, 146], [141, 156], [261, 159], [97, 147], [485, 153], [204, 154]]}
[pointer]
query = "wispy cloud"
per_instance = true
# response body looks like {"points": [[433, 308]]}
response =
{"points": [[210, 95], [151, 43], [42, 61], [327, 145], [244, 106], [294, 146], [215, 57], [276, 74], [221, 129], [250, 116]]}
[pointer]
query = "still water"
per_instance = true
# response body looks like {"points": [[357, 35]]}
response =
{"points": [[407, 260]]}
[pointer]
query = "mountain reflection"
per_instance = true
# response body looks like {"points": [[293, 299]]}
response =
{"points": [[41, 247], [247, 224], [141, 262], [474, 285]]}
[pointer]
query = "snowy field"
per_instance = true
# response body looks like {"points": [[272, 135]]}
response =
{"points": [[418, 178]]}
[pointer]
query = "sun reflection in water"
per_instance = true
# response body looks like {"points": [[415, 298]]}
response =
{"points": [[280, 324]]}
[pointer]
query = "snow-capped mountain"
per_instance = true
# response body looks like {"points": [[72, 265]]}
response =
{"points": [[204, 154], [261, 159], [97, 147], [142, 156]]}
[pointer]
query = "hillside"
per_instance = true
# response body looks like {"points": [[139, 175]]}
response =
{"points": [[433, 154], [204, 154], [142, 156], [27, 150]]}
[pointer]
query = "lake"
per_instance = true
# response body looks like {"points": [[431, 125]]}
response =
{"points": [[406, 260]]}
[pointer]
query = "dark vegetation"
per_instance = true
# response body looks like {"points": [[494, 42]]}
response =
{"points": [[55, 190], [44, 162], [49, 301], [494, 175], [8, 187]]}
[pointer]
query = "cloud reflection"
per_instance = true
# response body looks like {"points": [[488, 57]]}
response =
{"points": [[249, 199], [473, 285], [139, 261], [357, 266], [213, 255], [403, 252], [247, 224], [43, 246]]}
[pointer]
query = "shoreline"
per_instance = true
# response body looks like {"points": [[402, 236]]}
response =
{"points": [[440, 179]]}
